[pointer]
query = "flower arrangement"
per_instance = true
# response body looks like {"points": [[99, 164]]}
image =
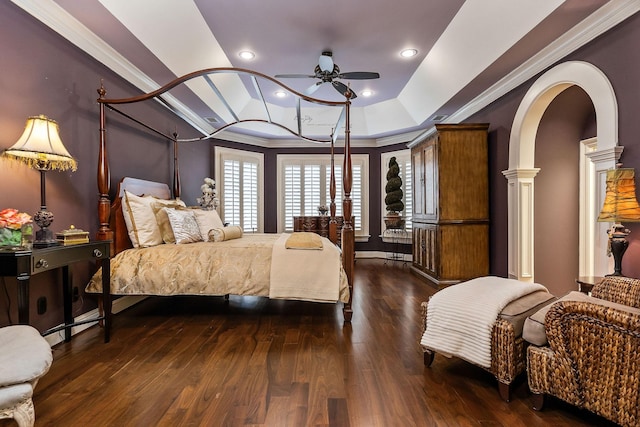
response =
{"points": [[209, 199], [11, 226]]}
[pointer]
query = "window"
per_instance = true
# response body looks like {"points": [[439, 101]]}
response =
{"points": [[239, 175], [403, 157], [304, 184]]}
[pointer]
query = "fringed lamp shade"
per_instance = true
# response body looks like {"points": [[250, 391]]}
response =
{"points": [[40, 146], [620, 205]]}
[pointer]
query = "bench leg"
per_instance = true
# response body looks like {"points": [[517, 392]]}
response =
{"points": [[428, 357], [504, 390], [538, 401]]}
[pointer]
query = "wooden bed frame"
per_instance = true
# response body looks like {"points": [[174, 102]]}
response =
{"points": [[111, 221]]}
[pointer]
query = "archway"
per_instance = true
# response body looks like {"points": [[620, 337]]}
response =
{"points": [[522, 172]]}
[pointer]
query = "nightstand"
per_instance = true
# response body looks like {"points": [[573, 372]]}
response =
{"points": [[23, 264], [586, 283]]}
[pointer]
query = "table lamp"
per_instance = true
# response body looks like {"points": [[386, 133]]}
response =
{"points": [[41, 148], [620, 205]]}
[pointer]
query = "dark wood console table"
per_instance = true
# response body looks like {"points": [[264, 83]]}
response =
{"points": [[23, 263], [317, 224]]}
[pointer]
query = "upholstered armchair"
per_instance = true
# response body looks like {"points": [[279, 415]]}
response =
{"points": [[592, 359]]}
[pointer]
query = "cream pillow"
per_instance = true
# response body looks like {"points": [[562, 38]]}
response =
{"points": [[207, 220], [163, 220], [225, 233], [184, 225], [141, 220]]}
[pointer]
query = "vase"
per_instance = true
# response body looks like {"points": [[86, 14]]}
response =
{"points": [[27, 235], [10, 237]]}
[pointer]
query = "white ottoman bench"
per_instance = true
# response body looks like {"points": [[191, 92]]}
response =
{"points": [[24, 358]]}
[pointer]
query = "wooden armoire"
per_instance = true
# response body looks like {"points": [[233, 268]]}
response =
{"points": [[451, 204]]}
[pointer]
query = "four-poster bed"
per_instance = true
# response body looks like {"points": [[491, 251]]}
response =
{"points": [[113, 227]]}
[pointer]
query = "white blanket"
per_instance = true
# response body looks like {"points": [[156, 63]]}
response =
{"points": [[304, 274], [460, 318]]}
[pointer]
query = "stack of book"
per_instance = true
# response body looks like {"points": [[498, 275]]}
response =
{"points": [[72, 236]]}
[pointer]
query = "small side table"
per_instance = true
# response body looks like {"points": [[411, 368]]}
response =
{"points": [[586, 283], [22, 264], [395, 238]]}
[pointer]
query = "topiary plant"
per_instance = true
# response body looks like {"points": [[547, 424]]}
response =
{"points": [[393, 199]]}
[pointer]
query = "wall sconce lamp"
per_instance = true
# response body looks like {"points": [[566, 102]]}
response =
{"points": [[41, 148], [620, 205]]}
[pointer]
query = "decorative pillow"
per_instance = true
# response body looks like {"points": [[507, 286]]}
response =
{"points": [[184, 225], [534, 327], [225, 233], [163, 219], [140, 219], [207, 220], [303, 240]]}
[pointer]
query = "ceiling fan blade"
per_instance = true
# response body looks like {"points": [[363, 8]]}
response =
{"points": [[359, 75], [294, 76], [311, 89], [343, 88], [325, 62]]}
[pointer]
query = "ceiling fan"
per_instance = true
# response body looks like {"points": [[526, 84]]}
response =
{"points": [[328, 72]]}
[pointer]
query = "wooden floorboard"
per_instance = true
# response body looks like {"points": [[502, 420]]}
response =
{"points": [[200, 361]]}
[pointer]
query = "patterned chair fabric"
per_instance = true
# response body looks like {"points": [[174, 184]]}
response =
{"points": [[592, 359]]}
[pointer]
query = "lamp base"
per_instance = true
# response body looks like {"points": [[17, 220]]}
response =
{"points": [[618, 246], [44, 236], [45, 239]]}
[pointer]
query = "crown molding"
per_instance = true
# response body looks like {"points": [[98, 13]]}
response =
{"points": [[596, 24]]}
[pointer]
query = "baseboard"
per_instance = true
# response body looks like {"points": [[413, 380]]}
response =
{"points": [[118, 305]]}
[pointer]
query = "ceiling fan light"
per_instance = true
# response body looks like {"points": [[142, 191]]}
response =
{"points": [[325, 63], [408, 53], [246, 54]]}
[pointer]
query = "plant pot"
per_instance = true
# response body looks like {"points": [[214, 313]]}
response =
{"points": [[394, 222]]}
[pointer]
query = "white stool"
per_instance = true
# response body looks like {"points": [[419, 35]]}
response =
{"points": [[24, 357]]}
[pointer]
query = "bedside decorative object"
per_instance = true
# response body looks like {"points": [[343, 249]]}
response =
{"points": [[323, 210], [41, 148], [72, 236], [13, 226], [209, 199], [620, 205]]}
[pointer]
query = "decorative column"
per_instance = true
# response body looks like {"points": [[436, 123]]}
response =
{"points": [[520, 197]]}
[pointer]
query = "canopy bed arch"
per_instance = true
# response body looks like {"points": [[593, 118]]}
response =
{"points": [[112, 220]]}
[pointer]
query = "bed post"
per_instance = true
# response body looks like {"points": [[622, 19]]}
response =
{"points": [[348, 236], [176, 168], [104, 178], [333, 224]]}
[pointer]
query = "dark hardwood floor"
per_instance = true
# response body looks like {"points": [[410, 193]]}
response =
{"points": [[197, 361]]}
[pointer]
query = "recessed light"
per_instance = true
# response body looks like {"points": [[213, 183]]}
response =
{"points": [[366, 93], [408, 53], [281, 93], [246, 54]]}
